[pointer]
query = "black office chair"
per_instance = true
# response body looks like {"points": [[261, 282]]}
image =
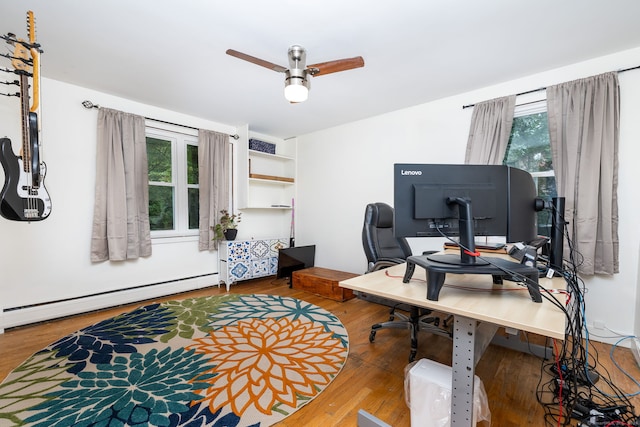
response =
{"points": [[383, 250]]}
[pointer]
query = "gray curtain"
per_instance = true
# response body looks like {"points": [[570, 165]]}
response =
{"points": [[213, 178], [490, 130], [584, 120], [121, 209]]}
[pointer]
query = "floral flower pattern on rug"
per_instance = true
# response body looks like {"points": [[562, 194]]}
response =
{"points": [[232, 360]]}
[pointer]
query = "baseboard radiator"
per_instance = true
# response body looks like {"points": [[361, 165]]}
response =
{"points": [[12, 317]]}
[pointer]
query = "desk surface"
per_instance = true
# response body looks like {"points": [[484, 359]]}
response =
{"points": [[472, 296]]}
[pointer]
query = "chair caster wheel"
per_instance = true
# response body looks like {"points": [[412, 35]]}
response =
{"points": [[372, 336]]}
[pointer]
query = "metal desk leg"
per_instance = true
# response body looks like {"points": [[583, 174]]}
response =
{"points": [[463, 370]]}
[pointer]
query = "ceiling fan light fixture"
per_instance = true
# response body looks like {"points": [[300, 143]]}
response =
{"points": [[296, 87], [298, 77], [296, 93]]}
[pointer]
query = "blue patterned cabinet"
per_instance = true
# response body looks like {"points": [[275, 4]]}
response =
{"points": [[249, 259]]}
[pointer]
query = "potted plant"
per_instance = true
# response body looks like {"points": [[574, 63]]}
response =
{"points": [[227, 227]]}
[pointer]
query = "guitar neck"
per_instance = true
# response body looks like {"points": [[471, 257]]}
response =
{"points": [[35, 57], [24, 101]]}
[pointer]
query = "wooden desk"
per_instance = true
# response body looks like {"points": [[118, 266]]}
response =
{"points": [[483, 303]]}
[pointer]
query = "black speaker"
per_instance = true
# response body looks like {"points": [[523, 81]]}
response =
{"points": [[557, 234]]}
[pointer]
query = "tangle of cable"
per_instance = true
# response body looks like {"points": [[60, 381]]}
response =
{"points": [[574, 386]]}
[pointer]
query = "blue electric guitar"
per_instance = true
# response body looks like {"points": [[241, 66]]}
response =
{"points": [[24, 197]]}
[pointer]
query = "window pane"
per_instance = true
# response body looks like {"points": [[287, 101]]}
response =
{"points": [[161, 207], [192, 164], [173, 183], [529, 147], [159, 159], [194, 208]]}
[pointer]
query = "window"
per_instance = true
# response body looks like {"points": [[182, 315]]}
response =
{"points": [[173, 183], [529, 149]]}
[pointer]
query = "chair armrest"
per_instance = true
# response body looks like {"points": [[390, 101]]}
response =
{"points": [[383, 263]]}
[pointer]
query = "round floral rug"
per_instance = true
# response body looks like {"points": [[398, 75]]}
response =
{"points": [[230, 360]]}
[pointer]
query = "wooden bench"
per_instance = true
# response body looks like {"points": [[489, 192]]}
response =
{"points": [[323, 282]]}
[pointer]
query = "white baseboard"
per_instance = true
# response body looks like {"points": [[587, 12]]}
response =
{"points": [[25, 315]]}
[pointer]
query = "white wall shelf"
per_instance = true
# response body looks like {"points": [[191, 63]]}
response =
{"points": [[271, 181], [265, 180], [267, 155]]}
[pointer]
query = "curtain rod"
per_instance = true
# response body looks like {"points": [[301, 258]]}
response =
{"points": [[89, 105], [544, 88]]}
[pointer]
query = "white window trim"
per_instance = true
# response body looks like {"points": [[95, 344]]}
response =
{"points": [[528, 108], [179, 141]]}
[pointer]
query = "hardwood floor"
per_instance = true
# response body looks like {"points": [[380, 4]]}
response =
{"points": [[373, 377]]}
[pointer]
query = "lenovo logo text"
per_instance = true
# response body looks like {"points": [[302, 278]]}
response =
{"points": [[404, 172]]}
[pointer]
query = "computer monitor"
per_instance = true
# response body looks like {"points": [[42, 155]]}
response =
{"points": [[434, 200], [295, 258]]}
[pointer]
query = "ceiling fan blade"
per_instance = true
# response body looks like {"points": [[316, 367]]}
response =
{"points": [[335, 66], [257, 61]]}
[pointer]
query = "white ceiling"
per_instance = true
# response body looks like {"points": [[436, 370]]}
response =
{"points": [[171, 53]]}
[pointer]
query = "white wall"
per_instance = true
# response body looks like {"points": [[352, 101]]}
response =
{"points": [[340, 170], [49, 260], [343, 168]]}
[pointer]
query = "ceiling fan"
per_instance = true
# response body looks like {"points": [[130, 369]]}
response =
{"points": [[297, 82]]}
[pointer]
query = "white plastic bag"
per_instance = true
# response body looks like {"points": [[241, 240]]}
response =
{"points": [[427, 387]]}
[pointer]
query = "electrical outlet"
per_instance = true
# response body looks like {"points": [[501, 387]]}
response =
{"points": [[598, 324], [635, 349]]}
